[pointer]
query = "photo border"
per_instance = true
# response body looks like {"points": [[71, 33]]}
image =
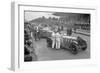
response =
{"points": [[15, 58]]}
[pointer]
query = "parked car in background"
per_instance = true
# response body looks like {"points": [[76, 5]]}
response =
{"points": [[45, 32]]}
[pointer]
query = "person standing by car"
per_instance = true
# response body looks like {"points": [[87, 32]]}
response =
{"points": [[53, 39], [37, 33], [69, 31], [58, 40]]}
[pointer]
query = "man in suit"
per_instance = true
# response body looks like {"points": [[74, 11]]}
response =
{"points": [[37, 33]]}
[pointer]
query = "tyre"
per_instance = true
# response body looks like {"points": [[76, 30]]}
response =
{"points": [[84, 48], [49, 42], [73, 48], [82, 44]]}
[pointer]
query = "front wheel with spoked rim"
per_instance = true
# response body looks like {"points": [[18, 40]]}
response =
{"points": [[73, 48]]}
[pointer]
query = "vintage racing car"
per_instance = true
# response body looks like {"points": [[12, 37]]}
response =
{"points": [[74, 45]]}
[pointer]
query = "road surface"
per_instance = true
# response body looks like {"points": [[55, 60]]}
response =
{"points": [[44, 53]]}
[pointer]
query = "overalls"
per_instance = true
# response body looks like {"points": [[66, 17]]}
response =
{"points": [[53, 39], [58, 41]]}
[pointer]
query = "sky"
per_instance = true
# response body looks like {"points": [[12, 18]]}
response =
{"points": [[33, 15]]}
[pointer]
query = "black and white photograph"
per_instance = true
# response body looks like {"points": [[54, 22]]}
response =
{"points": [[56, 35]]}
